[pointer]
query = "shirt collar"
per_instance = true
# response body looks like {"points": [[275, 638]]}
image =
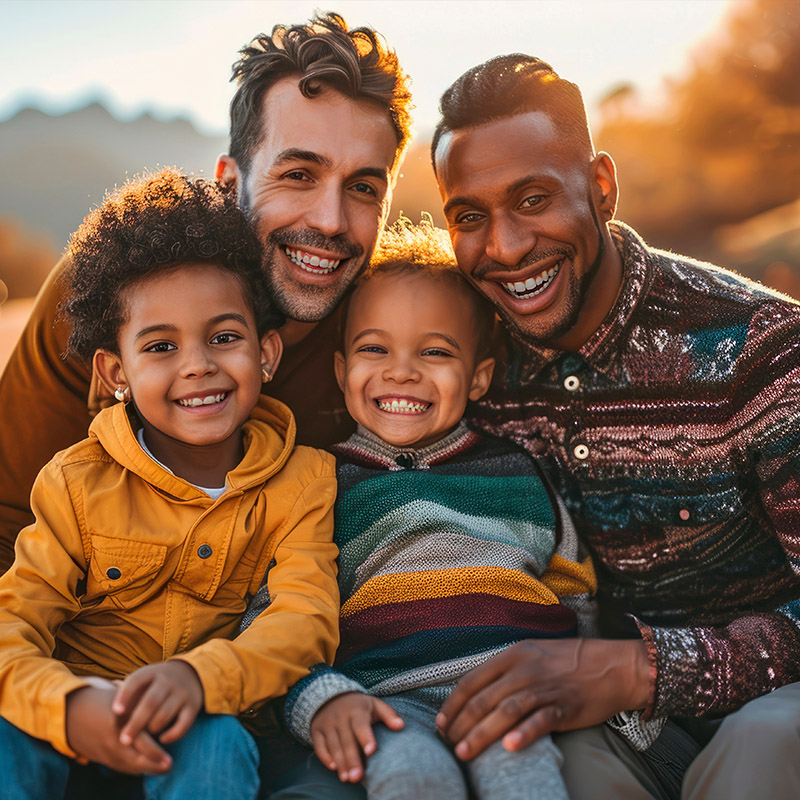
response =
{"points": [[364, 446], [602, 350]]}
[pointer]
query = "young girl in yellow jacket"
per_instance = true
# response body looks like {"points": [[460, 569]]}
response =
{"points": [[120, 615]]}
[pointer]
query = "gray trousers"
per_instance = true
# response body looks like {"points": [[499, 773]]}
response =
{"points": [[755, 753], [416, 763]]}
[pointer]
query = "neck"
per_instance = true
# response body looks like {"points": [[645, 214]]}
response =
{"points": [[602, 289], [293, 331], [201, 465]]}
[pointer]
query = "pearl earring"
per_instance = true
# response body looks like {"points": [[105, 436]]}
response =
{"points": [[121, 394], [265, 376]]}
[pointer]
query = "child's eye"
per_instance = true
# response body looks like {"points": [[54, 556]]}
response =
{"points": [[160, 347], [437, 351], [225, 338], [371, 348]]}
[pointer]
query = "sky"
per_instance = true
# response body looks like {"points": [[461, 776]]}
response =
{"points": [[172, 57]]}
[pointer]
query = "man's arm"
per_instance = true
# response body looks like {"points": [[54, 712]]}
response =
{"points": [[44, 402]]}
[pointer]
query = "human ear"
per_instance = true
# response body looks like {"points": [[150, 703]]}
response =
{"points": [[481, 379], [339, 368], [604, 186], [271, 351], [227, 171], [109, 369]]}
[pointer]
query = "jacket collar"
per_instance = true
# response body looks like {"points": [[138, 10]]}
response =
{"points": [[268, 437]]}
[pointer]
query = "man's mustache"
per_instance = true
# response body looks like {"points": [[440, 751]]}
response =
{"points": [[305, 237], [529, 259]]}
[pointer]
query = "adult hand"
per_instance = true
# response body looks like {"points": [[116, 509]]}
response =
{"points": [[537, 686], [162, 699], [342, 728], [93, 733]]}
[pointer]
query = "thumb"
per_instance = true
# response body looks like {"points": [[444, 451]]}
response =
{"points": [[383, 712]]}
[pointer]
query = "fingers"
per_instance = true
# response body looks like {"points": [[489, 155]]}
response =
{"points": [[384, 713], [345, 753], [129, 691], [320, 745], [184, 720], [146, 756], [499, 715], [541, 722]]}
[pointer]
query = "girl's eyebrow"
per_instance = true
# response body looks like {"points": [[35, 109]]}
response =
{"points": [[168, 326], [367, 332]]}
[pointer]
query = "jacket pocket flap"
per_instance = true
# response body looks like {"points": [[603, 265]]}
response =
{"points": [[119, 563]]}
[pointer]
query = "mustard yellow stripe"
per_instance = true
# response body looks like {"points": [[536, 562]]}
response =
{"points": [[569, 577], [430, 584]]}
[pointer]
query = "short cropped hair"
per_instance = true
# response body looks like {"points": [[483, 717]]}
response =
{"points": [[408, 249], [144, 228], [508, 85], [322, 52]]}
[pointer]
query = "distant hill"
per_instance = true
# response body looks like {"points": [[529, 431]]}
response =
{"points": [[55, 168]]}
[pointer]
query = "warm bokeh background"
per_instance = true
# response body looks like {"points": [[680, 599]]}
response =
{"points": [[709, 158]]}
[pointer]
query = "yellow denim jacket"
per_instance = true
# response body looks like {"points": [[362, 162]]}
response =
{"points": [[128, 565]]}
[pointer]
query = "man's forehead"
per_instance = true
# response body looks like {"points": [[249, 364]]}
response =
{"points": [[330, 127]]}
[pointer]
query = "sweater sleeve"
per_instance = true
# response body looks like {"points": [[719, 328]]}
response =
{"points": [[308, 696], [44, 400], [298, 629], [711, 670], [37, 596]]}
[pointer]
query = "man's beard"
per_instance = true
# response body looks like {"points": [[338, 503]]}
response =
{"points": [[580, 293], [307, 303]]}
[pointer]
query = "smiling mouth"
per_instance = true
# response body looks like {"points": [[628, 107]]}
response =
{"points": [[533, 285], [311, 263], [402, 406], [209, 400]]}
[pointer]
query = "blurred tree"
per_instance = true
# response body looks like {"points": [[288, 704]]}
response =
{"points": [[726, 145]]}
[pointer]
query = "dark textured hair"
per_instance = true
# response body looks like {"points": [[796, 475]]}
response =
{"points": [[508, 85], [145, 228], [408, 249], [322, 52]]}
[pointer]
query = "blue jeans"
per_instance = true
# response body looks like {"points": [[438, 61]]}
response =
{"points": [[215, 760]]}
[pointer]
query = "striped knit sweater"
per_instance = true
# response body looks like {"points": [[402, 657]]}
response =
{"points": [[448, 555], [673, 436]]}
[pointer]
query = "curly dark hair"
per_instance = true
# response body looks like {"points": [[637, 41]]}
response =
{"points": [[143, 228], [321, 52]]}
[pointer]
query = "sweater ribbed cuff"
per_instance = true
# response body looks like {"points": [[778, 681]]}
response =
{"points": [[322, 684]]}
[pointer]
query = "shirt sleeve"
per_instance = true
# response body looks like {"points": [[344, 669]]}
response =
{"points": [[37, 596], [713, 670], [44, 400], [298, 629]]}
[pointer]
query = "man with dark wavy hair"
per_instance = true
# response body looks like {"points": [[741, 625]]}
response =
{"points": [[664, 395], [319, 124]]}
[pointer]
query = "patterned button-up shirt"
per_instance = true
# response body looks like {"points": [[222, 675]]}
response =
{"points": [[673, 436]]}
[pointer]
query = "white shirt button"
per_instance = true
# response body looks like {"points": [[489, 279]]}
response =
{"points": [[571, 383], [581, 452]]}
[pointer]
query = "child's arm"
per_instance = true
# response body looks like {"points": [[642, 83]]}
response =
{"points": [[301, 625], [342, 729]]}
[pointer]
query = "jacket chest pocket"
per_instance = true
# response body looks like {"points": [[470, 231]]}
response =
{"points": [[123, 570]]}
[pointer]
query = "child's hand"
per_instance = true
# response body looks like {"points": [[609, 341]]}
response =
{"points": [[161, 699], [342, 728], [93, 733]]}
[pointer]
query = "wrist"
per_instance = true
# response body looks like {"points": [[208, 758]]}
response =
{"points": [[641, 675]]}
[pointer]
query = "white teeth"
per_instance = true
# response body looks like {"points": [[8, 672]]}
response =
{"points": [[306, 261], [532, 286], [402, 406], [192, 402]]}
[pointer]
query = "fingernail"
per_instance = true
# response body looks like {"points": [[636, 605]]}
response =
{"points": [[462, 750], [355, 774], [441, 720], [369, 749], [125, 738]]}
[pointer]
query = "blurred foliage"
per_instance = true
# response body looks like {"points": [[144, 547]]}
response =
{"points": [[724, 147]]}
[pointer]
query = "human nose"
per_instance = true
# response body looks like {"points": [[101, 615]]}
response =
{"points": [[327, 213], [507, 242], [197, 362], [401, 369]]}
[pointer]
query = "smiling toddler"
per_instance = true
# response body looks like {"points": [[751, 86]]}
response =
{"points": [[451, 545], [120, 617]]}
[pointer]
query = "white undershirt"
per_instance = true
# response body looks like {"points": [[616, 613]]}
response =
{"points": [[213, 493]]}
